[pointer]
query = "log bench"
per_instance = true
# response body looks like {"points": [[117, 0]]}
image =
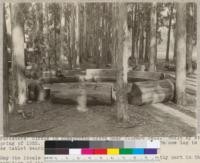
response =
{"points": [[71, 93]]}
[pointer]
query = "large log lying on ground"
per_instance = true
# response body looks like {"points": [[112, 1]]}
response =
{"points": [[64, 79], [151, 92], [62, 76], [72, 93], [72, 72], [53, 73], [98, 75], [109, 75]]}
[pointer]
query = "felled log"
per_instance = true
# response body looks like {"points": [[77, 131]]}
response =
{"points": [[100, 72], [60, 79], [145, 75], [151, 92], [72, 93], [48, 74], [109, 75], [72, 72]]}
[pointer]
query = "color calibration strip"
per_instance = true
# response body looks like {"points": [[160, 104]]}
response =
{"points": [[101, 147]]}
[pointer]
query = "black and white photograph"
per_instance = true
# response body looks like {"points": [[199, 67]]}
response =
{"points": [[100, 69]]}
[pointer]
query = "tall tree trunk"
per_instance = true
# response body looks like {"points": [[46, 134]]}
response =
{"points": [[175, 46], [104, 55], [72, 36], [62, 31], [46, 58], [169, 33], [38, 38], [96, 35], [147, 31], [122, 63], [81, 35], [77, 35], [153, 42], [180, 53], [18, 51], [69, 40], [135, 35], [55, 39], [141, 40], [101, 47], [5, 78], [134, 12], [113, 52], [189, 36], [84, 56]]}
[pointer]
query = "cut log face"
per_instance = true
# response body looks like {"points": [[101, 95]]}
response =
{"points": [[151, 92], [70, 93]]}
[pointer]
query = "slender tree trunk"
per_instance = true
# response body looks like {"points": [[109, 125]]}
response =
{"points": [[135, 36], [84, 31], [104, 55], [122, 63], [169, 34], [113, 36], [38, 38], [181, 53], [69, 43], [141, 41], [101, 38], [55, 40], [175, 46], [5, 78], [189, 36], [153, 42], [134, 12], [72, 36], [46, 58], [62, 31], [18, 51], [147, 43], [77, 35]]}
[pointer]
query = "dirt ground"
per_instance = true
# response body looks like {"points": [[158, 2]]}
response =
{"points": [[66, 121]]}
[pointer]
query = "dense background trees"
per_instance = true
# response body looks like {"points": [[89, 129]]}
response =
{"points": [[77, 32], [52, 36]]}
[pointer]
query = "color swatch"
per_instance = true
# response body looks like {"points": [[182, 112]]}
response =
{"points": [[101, 147]]}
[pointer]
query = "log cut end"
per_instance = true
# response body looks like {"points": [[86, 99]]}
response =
{"points": [[148, 92]]}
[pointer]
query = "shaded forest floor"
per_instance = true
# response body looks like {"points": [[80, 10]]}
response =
{"points": [[65, 121], [146, 120]]}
